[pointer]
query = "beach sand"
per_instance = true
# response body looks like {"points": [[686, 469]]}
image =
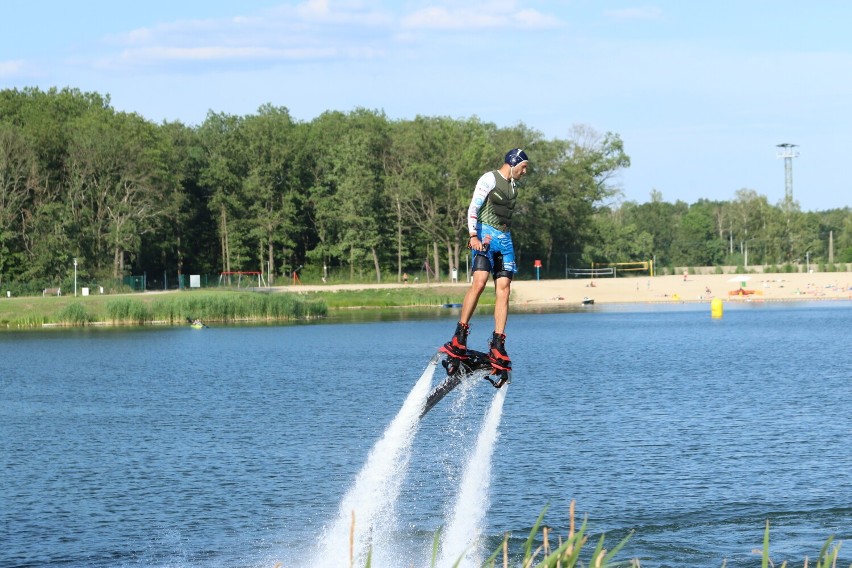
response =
{"points": [[658, 289], [695, 288]]}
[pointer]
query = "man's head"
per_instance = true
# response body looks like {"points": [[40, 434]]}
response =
{"points": [[517, 160], [515, 157]]}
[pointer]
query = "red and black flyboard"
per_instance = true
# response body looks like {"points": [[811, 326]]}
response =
{"points": [[477, 364]]}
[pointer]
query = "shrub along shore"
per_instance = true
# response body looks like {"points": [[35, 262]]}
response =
{"points": [[156, 308], [210, 306]]}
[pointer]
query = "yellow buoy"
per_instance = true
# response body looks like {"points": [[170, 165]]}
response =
{"points": [[716, 308]]}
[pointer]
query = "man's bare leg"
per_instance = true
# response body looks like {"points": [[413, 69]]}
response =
{"points": [[501, 305], [457, 346], [471, 297]]}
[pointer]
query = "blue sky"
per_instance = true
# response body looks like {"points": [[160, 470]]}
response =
{"points": [[700, 92]]}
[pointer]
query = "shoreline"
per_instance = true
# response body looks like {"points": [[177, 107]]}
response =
{"points": [[770, 287], [527, 295], [730, 288]]}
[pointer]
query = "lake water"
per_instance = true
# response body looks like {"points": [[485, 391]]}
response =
{"points": [[237, 446]]}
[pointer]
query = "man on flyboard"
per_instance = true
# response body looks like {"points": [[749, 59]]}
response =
{"points": [[489, 218]]}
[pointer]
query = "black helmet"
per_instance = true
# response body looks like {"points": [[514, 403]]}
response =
{"points": [[515, 157]]}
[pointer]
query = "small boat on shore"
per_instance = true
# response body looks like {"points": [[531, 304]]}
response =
{"points": [[588, 301]]}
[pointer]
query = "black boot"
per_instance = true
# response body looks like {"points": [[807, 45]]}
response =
{"points": [[497, 354], [457, 346]]}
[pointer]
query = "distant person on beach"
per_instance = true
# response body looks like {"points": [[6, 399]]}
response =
{"points": [[489, 218]]}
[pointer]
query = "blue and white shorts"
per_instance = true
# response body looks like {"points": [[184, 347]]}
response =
{"points": [[499, 259]]}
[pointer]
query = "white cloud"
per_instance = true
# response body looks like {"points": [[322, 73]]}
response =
{"points": [[12, 67], [315, 29], [302, 30], [494, 15], [641, 13], [345, 12], [158, 54]]}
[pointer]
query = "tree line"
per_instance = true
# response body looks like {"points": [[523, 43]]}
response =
{"points": [[352, 194]]}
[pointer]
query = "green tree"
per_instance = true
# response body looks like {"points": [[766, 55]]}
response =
{"points": [[347, 203], [661, 220], [322, 165], [271, 187], [617, 241], [114, 184], [185, 237], [445, 158], [401, 173], [360, 198], [569, 181], [844, 239], [19, 179], [832, 231], [696, 242], [749, 217], [45, 120], [225, 167]]}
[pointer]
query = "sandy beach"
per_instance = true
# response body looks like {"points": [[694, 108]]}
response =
{"points": [[694, 288], [658, 289]]}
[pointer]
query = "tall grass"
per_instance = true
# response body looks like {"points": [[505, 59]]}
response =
{"points": [[223, 307], [236, 307], [396, 297], [568, 552], [74, 314], [126, 310], [219, 306]]}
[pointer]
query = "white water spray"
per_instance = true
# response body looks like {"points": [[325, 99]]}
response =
{"points": [[377, 487], [464, 529]]}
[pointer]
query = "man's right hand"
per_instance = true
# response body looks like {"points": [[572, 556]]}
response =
{"points": [[475, 244]]}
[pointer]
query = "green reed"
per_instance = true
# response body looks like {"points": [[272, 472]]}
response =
{"points": [[127, 310], [568, 550], [566, 554], [74, 314], [171, 308], [215, 307], [413, 297], [234, 307], [827, 557]]}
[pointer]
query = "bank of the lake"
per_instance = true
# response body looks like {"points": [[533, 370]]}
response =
{"points": [[213, 306], [291, 303], [168, 308]]}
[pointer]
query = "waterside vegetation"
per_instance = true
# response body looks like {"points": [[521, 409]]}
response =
{"points": [[219, 306], [394, 297], [166, 308], [539, 552]]}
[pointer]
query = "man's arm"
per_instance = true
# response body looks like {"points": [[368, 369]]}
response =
{"points": [[486, 183]]}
